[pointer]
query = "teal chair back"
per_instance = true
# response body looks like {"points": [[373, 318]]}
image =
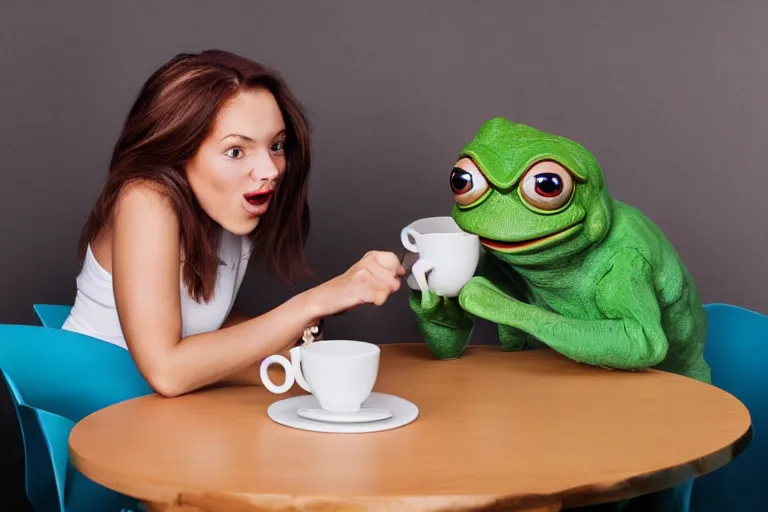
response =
{"points": [[737, 351], [56, 378], [52, 315]]}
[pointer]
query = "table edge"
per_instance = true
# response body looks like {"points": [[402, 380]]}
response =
{"points": [[592, 494]]}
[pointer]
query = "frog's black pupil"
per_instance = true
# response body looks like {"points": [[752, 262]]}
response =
{"points": [[461, 181], [548, 184]]}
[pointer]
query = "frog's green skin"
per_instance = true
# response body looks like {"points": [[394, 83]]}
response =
{"points": [[609, 291]]}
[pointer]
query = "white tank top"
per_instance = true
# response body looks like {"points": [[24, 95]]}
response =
{"points": [[94, 312]]}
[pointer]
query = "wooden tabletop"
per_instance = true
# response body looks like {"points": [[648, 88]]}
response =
{"points": [[519, 429]]}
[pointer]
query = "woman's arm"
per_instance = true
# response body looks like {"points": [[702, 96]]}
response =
{"points": [[235, 318], [145, 262], [146, 268], [250, 374]]}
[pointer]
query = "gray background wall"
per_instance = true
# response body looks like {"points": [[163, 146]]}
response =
{"points": [[670, 96]]}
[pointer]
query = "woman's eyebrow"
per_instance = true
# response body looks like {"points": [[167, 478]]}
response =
{"points": [[237, 135]]}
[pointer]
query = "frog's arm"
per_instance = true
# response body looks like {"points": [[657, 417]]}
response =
{"points": [[512, 285], [447, 328], [629, 337]]}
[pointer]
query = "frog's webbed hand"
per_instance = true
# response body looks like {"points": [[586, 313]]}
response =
{"points": [[443, 324], [445, 327], [630, 337]]}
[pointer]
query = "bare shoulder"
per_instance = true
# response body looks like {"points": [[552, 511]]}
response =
{"points": [[139, 204], [144, 200], [145, 227]]}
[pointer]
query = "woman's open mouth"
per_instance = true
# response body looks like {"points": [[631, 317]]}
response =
{"points": [[259, 198], [256, 203]]}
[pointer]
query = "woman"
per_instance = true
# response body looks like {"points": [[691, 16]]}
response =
{"points": [[212, 163]]}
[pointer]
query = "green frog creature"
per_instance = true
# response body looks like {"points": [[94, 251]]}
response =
{"points": [[565, 266]]}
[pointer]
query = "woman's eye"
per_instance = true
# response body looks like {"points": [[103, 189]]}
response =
{"points": [[467, 182], [547, 185], [235, 153], [278, 147]]}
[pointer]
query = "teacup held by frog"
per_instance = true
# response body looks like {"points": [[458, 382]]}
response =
{"points": [[448, 255]]}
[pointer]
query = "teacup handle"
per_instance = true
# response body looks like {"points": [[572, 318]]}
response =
{"points": [[292, 372], [405, 238], [289, 377], [419, 271]]}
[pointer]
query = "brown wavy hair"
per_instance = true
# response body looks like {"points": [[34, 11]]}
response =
{"points": [[171, 116]]}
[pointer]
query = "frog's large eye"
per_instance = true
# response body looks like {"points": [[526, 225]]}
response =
{"points": [[547, 185], [467, 182]]}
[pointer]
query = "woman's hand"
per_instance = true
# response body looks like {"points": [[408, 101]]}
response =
{"points": [[369, 281]]}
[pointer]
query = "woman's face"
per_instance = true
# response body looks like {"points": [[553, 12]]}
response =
{"points": [[236, 168]]}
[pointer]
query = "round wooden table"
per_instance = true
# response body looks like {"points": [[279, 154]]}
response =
{"points": [[496, 431]]}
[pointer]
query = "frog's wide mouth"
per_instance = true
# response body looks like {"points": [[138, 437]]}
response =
{"points": [[532, 243]]}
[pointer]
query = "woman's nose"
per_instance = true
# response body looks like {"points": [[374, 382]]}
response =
{"points": [[265, 169]]}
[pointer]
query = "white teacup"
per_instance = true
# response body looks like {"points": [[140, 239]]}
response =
{"points": [[448, 256], [340, 373]]}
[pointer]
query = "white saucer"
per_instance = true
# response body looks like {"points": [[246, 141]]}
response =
{"points": [[285, 413], [364, 415]]}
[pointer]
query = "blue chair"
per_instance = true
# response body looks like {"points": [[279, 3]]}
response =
{"points": [[56, 378], [52, 315], [737, 351]]}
